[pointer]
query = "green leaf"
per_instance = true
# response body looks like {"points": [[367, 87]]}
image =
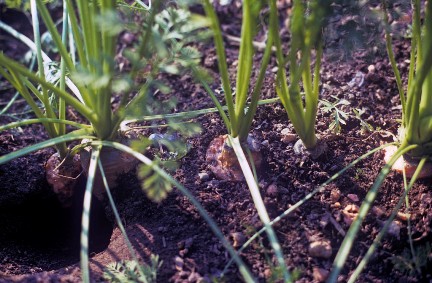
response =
{"points": [[154, 186]]}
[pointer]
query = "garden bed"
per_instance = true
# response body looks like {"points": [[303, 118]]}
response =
{"points": [[39, 240]]}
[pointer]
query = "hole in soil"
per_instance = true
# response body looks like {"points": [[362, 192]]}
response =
{"points": [[40, 228]]}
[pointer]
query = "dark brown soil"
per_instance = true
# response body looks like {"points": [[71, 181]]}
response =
{"points": [[39, 240]]}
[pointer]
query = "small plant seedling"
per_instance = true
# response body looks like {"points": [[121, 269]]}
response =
{"points": [[129, 271], [338, 116], [365, 126], [409, 265]]}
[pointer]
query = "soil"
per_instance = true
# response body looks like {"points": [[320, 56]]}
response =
{"points": [[39, 239]]}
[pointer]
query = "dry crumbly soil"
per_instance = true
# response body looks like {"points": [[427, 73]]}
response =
{"points": [[39, 239]]}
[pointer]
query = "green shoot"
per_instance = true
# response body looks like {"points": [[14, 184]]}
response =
{"points": [[416, 100], [338, 116], [130, 271], [85, 222], [305, 39], [240, 115]]}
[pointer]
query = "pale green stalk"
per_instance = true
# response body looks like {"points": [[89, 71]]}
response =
{"points": [[41, 120], [62, 104], [49, 23], [190, 114], [220, 52], [305, 34], [413, 252], [52, 129], [417, 112], [259, 205], [85, 221], [240, 115], [45, 57], [118, 220], [24, 72], [72, 136]]}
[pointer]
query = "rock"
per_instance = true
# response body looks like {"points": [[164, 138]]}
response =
{"points": [[320, 249], [179, 263], [371, 68], [403, 216], [238, 239], [272, 190], [195, 277], [203, 176], [336, 204], [182, 253], [350, 213], [353, 197], [287, 136], [394, 229], [320, 274], [335, 195]]}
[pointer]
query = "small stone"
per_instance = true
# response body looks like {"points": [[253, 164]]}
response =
{"points": [[287, 136], [182, 253], [195, 277], [336, 204], [325, 219], [238, 239], [394, 229], [274, 69], [326, 86], [350, 213], [179, 263], [353, 197], [203, 176], [267, 273], [371, 68], [265, 143], [262, 184], [403, 216], [272, 190], [320, 274], [335, 195], [321, 249], [285, 131]]}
